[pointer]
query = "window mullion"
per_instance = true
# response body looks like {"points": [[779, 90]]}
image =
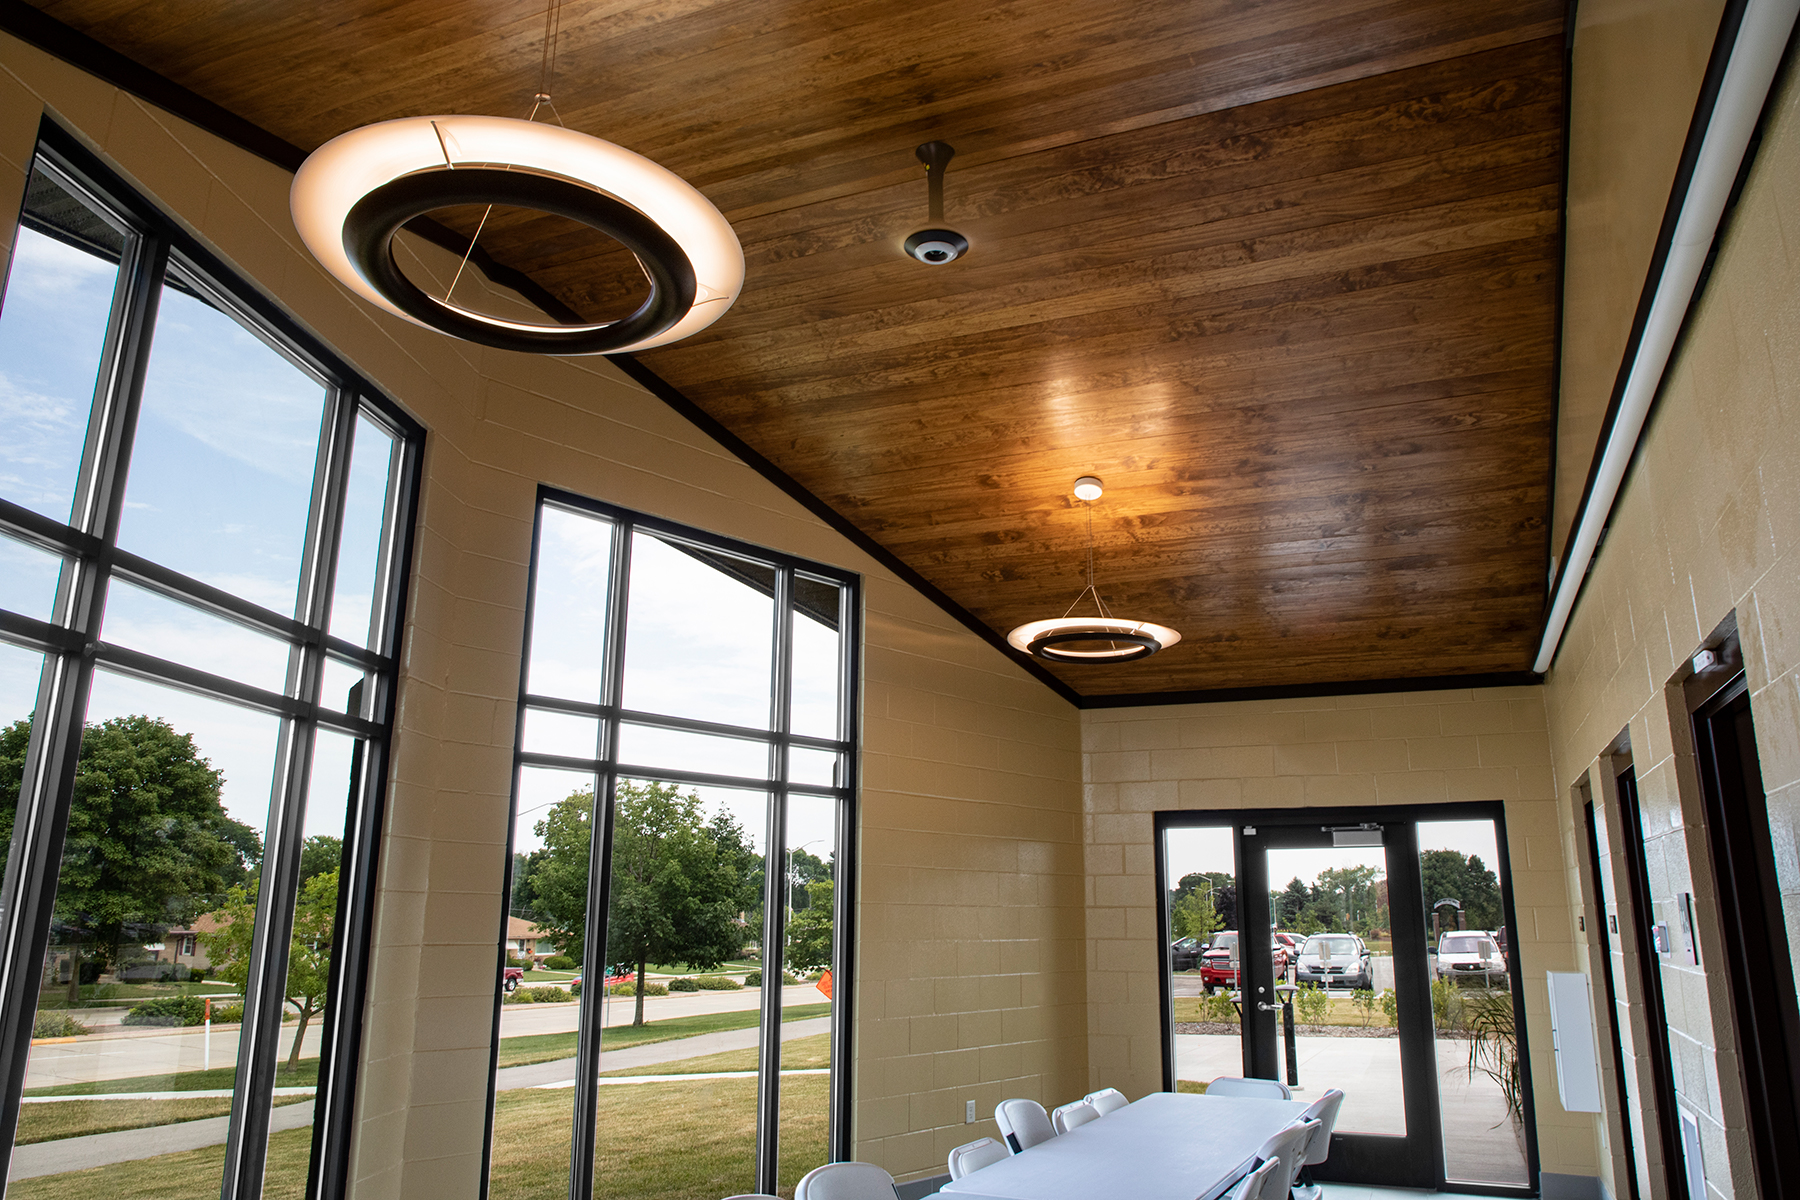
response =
{"points": [[265, 991], [775, 888], [592, 1009], [838, 1146]]}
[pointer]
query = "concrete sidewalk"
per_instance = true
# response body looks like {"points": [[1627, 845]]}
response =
{"points": [[130, 1145]]}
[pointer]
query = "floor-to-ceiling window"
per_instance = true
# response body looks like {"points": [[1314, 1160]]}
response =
{"points": [[672, 1007], [203, 528]]}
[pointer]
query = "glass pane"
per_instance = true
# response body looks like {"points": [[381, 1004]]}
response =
{"points": [[811, 863], [648, 746], [812, 766], [1203, 954], [337, 691], [814, 707], [222, 469], [142, 620], [1471, 1003], [568, 605], [145, 970], [565, 734], [686, 888], [1333, 909], [28, 578], [59, 293], [699, 639], [359, 542], [534, 1113], [328, 794]]}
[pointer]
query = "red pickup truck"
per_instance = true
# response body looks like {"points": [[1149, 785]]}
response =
{"points": [[511, 978]]}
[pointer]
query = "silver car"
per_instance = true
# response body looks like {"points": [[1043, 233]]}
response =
{"points": [[1471, 954], [1334, 960]]}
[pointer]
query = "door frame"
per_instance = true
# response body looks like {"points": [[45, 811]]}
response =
{"points": [[1368, 1158]]}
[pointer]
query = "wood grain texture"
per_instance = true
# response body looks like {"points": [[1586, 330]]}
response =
{"points": [[1283, 274]]}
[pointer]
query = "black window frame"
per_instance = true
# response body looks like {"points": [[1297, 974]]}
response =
{"points": [[72, 650], [607, 770]]}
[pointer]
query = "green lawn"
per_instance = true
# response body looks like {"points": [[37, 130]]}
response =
{"points": [[734, 967], [548, 1047], [78, 1118], [304, 1074], [797, 1055]]}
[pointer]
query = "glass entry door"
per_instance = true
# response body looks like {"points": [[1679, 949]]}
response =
{"points": [[1362, 950]]}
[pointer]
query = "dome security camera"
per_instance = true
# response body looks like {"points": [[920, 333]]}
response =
{"points": [[937, 246]]}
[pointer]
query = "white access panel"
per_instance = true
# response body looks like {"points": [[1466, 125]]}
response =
{"points": [[1572, 1039]]}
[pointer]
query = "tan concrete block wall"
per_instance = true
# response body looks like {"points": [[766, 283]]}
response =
{"points": [[1708, 524], [1407, 748], [971, 917]]}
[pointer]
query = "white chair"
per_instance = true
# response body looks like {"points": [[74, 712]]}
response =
{"points": [[1023, 1124], [1107, 1100], [753, 1196], [1324, 1110], [1264, 1183], [1261, 1089], [1073, 1115], [976, 1155], [1289, 1145], [846, 1181]]}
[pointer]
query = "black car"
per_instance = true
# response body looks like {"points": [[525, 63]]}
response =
{"points": [[1184, 955]]}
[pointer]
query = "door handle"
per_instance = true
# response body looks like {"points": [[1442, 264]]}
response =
{"points": [[1265, 1006]]}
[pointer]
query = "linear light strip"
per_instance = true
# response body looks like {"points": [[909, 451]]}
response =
{"points": [[1756, 55]]}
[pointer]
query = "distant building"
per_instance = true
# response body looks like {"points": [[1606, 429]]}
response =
{"points": [[525, 940]]}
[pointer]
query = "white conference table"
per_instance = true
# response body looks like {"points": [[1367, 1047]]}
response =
{"points": [[1167, 1146]]}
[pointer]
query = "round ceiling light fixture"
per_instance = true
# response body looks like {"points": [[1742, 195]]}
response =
{"points": [[353, 194], [1098, 639]]}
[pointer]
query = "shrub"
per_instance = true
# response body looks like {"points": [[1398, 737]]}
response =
{"points": [[1216, 1006], [629, 988], [559, 962], [57, 1024], [537, 995], [1390, 1006], [1364, 999], [228, 1014], [170, 1010], [519, 963], [575, 988], [718, 983], [684, 984], [1313, 1004], [196, 974], [1446, 1004], [753, 979]]}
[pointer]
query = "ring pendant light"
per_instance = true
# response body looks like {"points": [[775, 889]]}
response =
{"points": [[1125, 640], [353, 194]]}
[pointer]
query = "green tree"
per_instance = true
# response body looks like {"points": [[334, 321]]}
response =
{"points": [[1451, 875], [1194, 916], [322, 854], [678, 880], [559, 873], [309, 950], [809, 930], [1287, 904], [149, 846]]}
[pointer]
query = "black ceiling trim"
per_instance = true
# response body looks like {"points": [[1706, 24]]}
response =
{"points": [[1303, 691], [78, 49], [707, 424]]}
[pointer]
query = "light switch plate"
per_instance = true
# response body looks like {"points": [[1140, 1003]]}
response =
{"points": [[969, 1113]]}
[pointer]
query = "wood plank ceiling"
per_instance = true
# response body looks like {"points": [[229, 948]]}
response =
{"points": [[1283, 274]]}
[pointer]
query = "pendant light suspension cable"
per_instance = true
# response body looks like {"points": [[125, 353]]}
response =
{"points": [[1123, 640]]}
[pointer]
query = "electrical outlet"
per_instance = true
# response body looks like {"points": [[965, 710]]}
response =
{"points": [[969, 1113]]}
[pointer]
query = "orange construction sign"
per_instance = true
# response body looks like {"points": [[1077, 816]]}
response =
{"points": [[824, 984]]}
